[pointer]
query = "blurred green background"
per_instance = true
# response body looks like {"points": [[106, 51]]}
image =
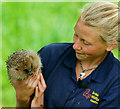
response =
{"points": [[32, 25]]}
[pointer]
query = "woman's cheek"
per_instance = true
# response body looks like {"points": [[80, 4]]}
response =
{"points": [[92, 52], [88, 50]]}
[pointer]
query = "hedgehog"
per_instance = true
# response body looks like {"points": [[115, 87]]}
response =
{"points": [[22, 64]]}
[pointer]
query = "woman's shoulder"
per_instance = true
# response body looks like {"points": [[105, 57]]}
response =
{"points": [[57, 45], [50, 54], [55, 48]]}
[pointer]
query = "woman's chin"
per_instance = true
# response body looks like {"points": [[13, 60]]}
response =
{"points": [[80, 56]]}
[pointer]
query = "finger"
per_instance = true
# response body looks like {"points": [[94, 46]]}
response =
{"points": [[36, 91], [38, 76], [41, 88], [38, 71], [32, 82], [43, 81], [28, 79], [35, 83]]}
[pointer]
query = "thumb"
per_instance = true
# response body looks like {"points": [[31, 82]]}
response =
{"points": [[36, 92]]}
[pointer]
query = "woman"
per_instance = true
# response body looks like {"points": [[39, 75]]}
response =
{"points": [[80, 74]]}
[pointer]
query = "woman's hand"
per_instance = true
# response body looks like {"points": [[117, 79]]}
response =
{"points": [[25, 88], [40, 88]]}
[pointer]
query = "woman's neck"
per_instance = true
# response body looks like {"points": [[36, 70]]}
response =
{"points": [[94, 61]]}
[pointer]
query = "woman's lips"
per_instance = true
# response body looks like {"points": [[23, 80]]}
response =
{"points": [[80, 53]]}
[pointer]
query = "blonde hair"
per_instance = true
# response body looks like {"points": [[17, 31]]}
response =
{"points": [[104, 17]]}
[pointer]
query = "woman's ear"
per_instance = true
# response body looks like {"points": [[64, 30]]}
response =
{"points": [[111, 45]]}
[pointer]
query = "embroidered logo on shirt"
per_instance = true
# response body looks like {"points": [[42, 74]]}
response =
{"points": [[86, 93], [93, 97]]}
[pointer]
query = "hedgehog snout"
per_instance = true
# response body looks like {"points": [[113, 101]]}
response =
{"points": [[30, 71]]}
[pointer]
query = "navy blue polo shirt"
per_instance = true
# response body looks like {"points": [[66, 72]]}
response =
{"points": [[99, 89]]}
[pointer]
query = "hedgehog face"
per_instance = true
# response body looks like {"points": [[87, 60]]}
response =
{"points": [[17, 75], [22, 64]]}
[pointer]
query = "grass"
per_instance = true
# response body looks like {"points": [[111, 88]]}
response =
{"points": [[32, 25]]}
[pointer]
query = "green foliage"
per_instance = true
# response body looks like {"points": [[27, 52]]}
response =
{"points": [[32, 25]]}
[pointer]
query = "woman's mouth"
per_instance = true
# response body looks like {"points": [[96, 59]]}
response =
{"points": [[80, 53]]}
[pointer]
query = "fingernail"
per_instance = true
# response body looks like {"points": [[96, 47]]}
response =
{"points": [[41, 74]]}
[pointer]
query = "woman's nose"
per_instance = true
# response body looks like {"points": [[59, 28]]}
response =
{"points": [[77, 45]]}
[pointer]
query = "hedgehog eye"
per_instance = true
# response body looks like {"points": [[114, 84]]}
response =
{"points": [[16, 69], [26, 70]]}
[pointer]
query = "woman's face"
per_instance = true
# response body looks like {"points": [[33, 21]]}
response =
{"points": [[87, 42]]}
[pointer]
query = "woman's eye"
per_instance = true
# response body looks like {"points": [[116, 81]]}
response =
{"points": [[84, 42]]}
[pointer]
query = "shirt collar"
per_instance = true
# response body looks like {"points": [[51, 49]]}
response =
{"points": [[102, 71], [99, 74]]}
